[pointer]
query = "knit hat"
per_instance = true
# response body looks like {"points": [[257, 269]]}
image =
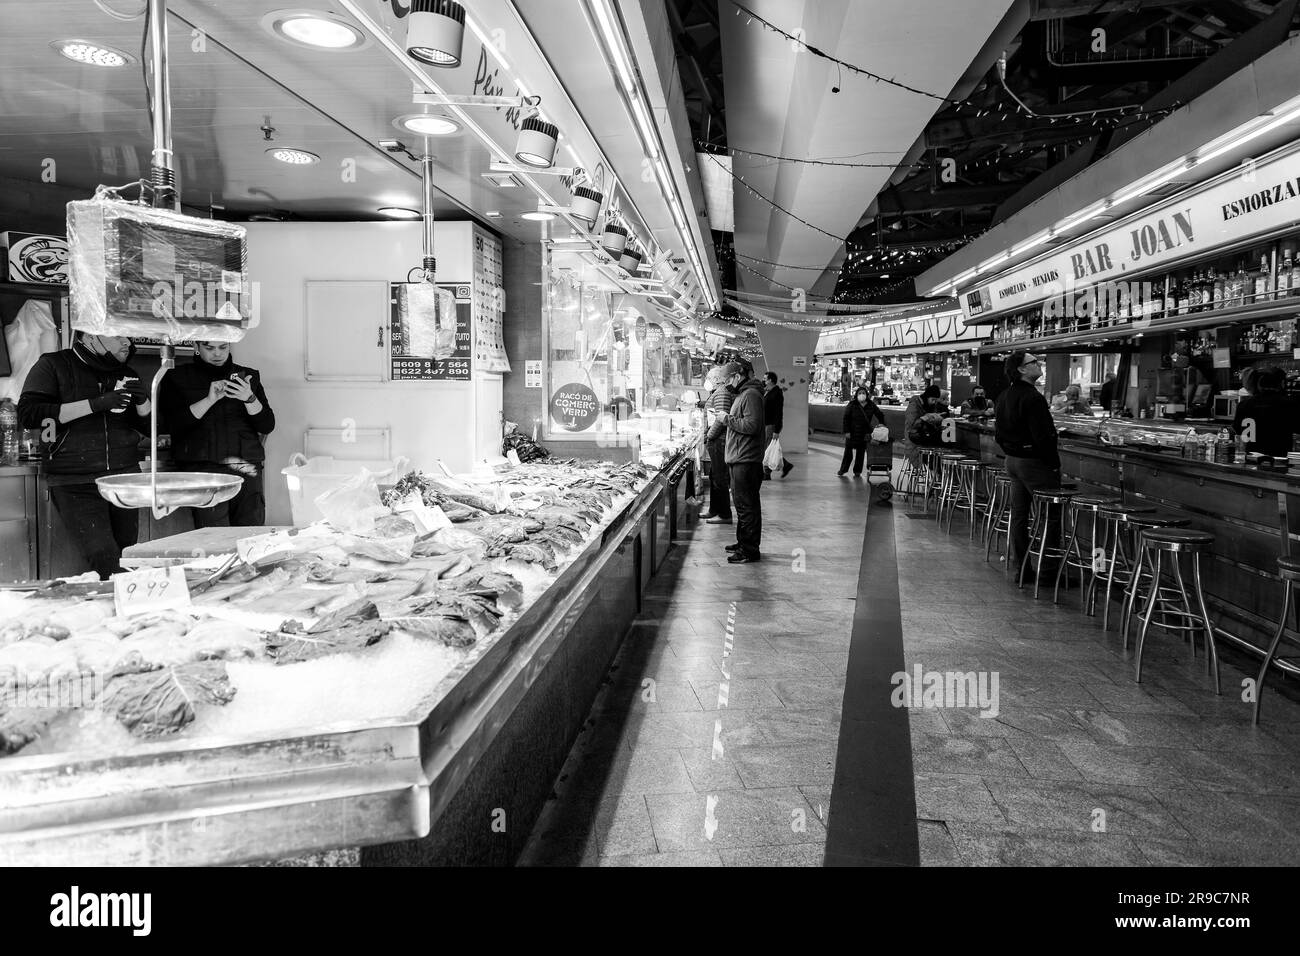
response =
{"points": [[931, 391], [733, 368]]}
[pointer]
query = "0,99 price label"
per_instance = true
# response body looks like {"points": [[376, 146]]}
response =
{"points": [[148, 590]]}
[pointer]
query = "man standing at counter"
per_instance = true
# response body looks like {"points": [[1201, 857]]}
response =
{"points": [[744, 453], [1268, 417], [715, 437], [97, 409], [1027, 435]]}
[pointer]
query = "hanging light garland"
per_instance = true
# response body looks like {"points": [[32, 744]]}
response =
{"points": [[757, 195], [709, 148]]}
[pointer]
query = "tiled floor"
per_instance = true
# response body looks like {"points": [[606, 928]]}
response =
{"points": [[715, 745]]}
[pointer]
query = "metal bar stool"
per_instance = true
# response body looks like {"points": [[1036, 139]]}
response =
{"points": [[1176, 542], [1135, 590], [998, 519], [1117, 545], [963, 491], [1044, 500], [911, 478], [930, 461], [989, 472], [947, 481], [1079, 507], [1289, 570]]}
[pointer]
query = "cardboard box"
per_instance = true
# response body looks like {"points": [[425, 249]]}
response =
{"points": [[26, 257]]}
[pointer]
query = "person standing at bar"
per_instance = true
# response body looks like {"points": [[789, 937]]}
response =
{"points": [[774, 418], [1026, 433], [1109, 388], [859, 418], [977, 404], [92, 408], [1268, 417], [715, 439], [744, 454], [216, 413]]}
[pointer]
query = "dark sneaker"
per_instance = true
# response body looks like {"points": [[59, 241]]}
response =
{"points": [[740, 557], [840, 474], [733, 547], [786, 469], [707, 516]]}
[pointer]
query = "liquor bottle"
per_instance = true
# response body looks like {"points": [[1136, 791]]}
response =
{"points": [[1216, 284], [1271, 344], [1240, 286], [1263, 284], [1196, 292], [1291, 272], [1183, 295], [1156, 304]]}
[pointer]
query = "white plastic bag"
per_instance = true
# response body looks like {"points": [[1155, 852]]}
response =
{"points": [[354, 505], [24, 338], [880, 434], [772, 458]]}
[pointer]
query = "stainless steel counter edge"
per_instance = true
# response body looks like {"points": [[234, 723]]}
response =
{"points": [[303, 791]]}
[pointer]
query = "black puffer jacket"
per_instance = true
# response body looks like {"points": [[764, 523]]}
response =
{"points": [[858, 420], [227, 430], [97, 444]]}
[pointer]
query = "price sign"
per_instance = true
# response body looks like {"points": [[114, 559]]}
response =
{"points": [[427, 518], [152, 589], [513, 457], [414, 342], [265, 548]]}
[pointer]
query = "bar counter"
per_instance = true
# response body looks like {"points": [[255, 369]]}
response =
{"points": [[1251, 512]]}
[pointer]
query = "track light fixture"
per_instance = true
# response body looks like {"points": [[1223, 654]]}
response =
{"points": [[614, 239], [435, 32], [536, 144], [586, 204]]}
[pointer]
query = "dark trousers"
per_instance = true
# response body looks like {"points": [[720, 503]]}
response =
{"points": [[850, 448], [100, 530], [1027, 476], [719, 479], [746, 482], [246, 510]]}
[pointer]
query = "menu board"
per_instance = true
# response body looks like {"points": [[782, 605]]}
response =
{"points": [[421, 348], [489, 305]]}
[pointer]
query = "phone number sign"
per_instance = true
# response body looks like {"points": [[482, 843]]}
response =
{"points": [[457, 367]]}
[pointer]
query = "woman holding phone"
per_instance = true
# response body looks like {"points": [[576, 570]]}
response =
{"points": [[216, 413]]}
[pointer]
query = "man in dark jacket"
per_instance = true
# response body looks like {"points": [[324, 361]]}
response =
{"points": [[744, 454], [216, 412], [774, 417], [860, 417], [715, 435], [1026, 433], [91, 408]]}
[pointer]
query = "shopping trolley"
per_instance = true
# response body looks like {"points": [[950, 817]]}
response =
{"points": [[880, 464]]}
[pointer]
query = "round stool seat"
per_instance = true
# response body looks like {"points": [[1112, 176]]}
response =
{"points": [[1094, 501], [1157, 521], [1124, 512], [1054, 495], [1176, 539], [952, 456], [1289, 568]]}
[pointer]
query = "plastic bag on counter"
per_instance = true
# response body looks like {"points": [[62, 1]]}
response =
{"points": [[23, 338], [354, 505], [152, 273]]}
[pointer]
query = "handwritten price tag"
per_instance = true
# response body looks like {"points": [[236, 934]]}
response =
{"points": [[152, 589], [264, 548], [513, 457]]}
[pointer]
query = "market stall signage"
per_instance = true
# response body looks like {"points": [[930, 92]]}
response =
{"points": [[533, 373], [917, 333], [1263, 198], [575, 407], [409, 362], [149, 590]]}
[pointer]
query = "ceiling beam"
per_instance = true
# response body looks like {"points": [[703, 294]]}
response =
{"points": [[1068, 9], [896, 202]]}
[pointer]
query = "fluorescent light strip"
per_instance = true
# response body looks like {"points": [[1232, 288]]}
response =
{"points": [[1273, 124], [622, 63], [487, 44], [647, 127]]}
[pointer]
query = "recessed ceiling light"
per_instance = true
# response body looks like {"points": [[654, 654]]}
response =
{"points": [[401, 212], [538, 216], [92, 54], [427, 124], [292, 156], [885, 276], [315, 29]]}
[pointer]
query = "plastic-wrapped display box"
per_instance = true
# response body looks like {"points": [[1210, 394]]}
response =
{"points": [[152, 273]]}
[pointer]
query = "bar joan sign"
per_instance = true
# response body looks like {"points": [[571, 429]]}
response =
{"points": [[1259, 199]]}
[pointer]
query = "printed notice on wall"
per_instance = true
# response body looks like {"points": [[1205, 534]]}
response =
{"points": [[801, 361], [427, 344], [533, 373]]}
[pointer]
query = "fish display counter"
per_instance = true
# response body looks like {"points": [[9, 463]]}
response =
{"points": [[382, 681]]}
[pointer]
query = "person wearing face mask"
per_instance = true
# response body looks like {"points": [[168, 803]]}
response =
{"points": [[977, 404], [1026, 433], [216, 413], [921, 421], [860, 416], [91, 408]]}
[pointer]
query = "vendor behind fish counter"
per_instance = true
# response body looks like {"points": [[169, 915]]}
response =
{"points": [[216, 413], [91, 408]]}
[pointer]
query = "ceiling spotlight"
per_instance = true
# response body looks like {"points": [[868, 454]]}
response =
{"points": [[427, 124], [400, 212], [92, 54], [630, 260], [614, 240], [538, 216], [536, 143], [586, 204], [435, 31], [294, 157], [315, 29]]}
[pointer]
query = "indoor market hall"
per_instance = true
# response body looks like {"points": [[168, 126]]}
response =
{"points": [[515, 434]]}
